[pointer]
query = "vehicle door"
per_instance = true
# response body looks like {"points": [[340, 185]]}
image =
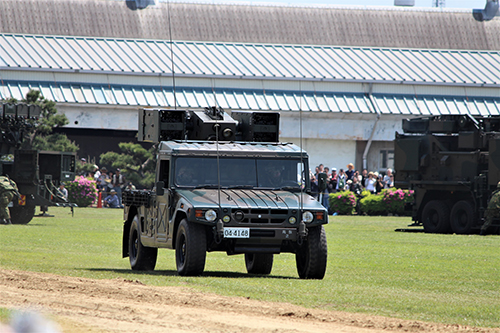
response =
{"points": [[162, 201]]}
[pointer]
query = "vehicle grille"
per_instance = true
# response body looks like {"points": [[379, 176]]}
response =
{"points": [[136, 198], [261, 216]]}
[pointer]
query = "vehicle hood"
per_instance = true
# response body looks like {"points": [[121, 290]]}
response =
{"points": [[246, 198]]}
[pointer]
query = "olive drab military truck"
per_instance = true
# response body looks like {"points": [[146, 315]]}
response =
{"points": [[36, 173], [224, 183], [452, 162]]}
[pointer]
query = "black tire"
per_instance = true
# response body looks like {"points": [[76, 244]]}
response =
{"points": [[462, 217], [259, 263], [436, 217], [311, 256], [190, 249], [495, 230], [142, 258], [22, 214]]}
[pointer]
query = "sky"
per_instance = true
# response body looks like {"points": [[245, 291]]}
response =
{"points": [[467, 4]]}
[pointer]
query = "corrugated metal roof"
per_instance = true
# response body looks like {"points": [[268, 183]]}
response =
{"points": [[189, 97], [248, 99], [436, 105], [153, 57], [246, 23]]}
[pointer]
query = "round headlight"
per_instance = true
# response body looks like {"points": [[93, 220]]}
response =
{"points": [[226, 218], [307, 217], [292, 219], [227, 133], [210, 215]]}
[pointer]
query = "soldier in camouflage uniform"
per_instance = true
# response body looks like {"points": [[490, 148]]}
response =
{"points": [[492, 211], [8, 189]]}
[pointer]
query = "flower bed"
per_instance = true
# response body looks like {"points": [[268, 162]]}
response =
{"points": [[81, 191], [396, 199], [342, 203]]}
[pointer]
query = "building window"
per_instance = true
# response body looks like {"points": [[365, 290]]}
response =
{"points": [[386, 159]]}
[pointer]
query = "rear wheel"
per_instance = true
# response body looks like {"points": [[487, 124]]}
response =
{"points": [[462, 218], [190, 249], [436, 217], [311, 256], [142, 258], [259, 263]]}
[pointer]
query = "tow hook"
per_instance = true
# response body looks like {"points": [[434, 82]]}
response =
{"points": [[220, 228], [302, 233]]}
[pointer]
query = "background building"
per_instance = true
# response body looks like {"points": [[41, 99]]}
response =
{"points": [[344, 78]]}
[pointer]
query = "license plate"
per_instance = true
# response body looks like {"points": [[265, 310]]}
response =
{"points": [[236, 232]]}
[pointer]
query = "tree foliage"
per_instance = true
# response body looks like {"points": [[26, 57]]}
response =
{"points": [[135, 162]]}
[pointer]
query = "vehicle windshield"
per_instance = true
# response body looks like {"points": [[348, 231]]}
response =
{"points": [[275, 173]]}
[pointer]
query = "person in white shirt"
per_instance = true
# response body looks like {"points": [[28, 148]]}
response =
{"points": [[370, 182]]}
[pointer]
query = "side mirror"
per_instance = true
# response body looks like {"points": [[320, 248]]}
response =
{"points": [[160, 188], [322, 181]]}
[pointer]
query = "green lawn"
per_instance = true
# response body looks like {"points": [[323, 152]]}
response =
{"points": [[371, 269]]}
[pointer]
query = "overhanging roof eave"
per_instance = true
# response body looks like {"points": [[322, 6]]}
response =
{"points": [[248, 77]]}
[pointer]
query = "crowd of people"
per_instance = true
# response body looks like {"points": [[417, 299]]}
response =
{"points": [[349, 179], [111, 185]]}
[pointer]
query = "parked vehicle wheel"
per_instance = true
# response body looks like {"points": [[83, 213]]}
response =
{"points": [[436, 217], [22, 214], [462, 218], [142, 258], [190, 249], [259, 263], [311, 256]]}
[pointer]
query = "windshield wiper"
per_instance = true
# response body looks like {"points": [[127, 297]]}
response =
{"points": [[287, 188], [207, 186], [240, 187]]}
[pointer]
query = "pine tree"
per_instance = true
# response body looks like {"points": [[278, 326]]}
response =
{"points": [[135, 162], [42, 137], [38, 135]]}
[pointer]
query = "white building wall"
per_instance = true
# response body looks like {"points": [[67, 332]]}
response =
{"points": [[330, 153], [339, 126], [105, 117]]}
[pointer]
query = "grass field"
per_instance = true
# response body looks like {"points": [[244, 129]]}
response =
{"points": [[371, 269]]}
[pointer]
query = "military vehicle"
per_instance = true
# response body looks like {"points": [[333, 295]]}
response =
{"points": [[224, 183], [452, 162], [36, 173]]}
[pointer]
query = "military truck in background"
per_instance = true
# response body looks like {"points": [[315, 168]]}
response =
{"points": [[452, 162], [36, 173], [224, 183]]}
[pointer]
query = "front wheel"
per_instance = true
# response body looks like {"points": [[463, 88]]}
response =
{"points": [[190, 249], [22, 214], [436, 217], [311, 256], [142, 258], [259, 263]]}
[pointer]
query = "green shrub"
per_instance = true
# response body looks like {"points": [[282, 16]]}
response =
{"points": [[365, 193], [396, 199], [342, 203], [373, 205], [81, 191]]}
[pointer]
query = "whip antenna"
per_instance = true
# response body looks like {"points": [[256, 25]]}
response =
{"points": [[303, 172], [217, 110], [220, 224], [172, 55]]}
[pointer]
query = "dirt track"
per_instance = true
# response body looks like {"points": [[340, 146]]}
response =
{"points": [[98, 306]]}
